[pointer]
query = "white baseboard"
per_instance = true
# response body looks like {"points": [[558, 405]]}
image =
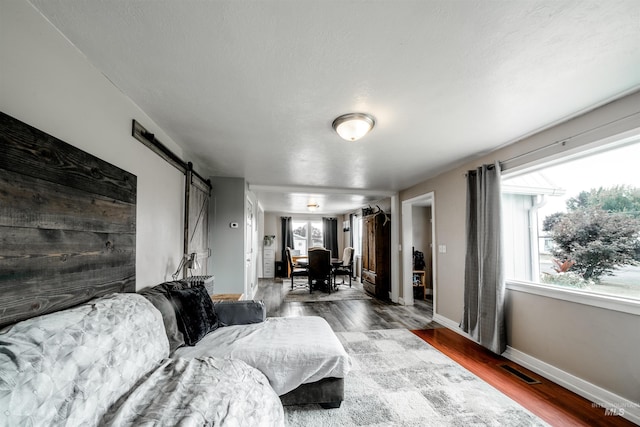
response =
{"points": [[613, 404], [450, 324]]}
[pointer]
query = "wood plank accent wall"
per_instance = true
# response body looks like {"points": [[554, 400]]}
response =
{"points": [[67, 224]]}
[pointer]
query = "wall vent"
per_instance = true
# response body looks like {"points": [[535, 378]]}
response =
{"points": [[524, 377]]}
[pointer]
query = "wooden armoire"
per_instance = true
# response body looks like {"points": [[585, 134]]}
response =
{"points": [[376, 254]]}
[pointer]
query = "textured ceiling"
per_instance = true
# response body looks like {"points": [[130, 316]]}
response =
{"points": [[250, 88]]}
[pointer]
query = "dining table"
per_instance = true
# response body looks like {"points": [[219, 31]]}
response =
{"points": [[304, 261]]}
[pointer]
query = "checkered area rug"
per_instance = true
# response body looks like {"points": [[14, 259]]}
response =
{"points": [[399, 380], [301, 293]]}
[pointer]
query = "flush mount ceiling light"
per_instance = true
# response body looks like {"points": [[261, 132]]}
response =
{"points": [[353, 126]]}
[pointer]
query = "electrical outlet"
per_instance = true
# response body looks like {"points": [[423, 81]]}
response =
{"points": [[442, 249]]}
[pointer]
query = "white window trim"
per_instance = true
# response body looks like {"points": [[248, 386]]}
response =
{"points": [[309, 221], [604, 301]]}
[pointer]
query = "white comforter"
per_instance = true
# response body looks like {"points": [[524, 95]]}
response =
{"points": [[290, 351], [199, 392], [69, 367], [103, 363]]}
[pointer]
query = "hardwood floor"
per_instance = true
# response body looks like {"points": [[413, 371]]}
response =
{"points": [[348, 315], [551, 402]]}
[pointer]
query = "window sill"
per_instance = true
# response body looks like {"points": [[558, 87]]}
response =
{"points": [[608, 302]]}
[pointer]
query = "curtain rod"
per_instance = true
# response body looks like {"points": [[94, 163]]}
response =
{"points": [[489, 166], [564, 141]]}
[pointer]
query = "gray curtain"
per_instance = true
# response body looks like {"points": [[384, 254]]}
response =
{"points": [[351, 230], [484, 286], [330, 235], [287, 235]]}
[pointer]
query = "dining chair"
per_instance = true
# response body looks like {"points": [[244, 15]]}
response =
{"points": [[346, 268], [295, 269], [319, 269]]}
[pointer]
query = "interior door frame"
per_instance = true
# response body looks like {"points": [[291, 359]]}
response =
{"points": [[427, 199], [250, 281]]}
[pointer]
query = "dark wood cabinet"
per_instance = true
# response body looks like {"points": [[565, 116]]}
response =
{"points": [[376, 255]]}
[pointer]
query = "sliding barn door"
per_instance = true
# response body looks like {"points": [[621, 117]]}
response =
{"points": [[197, 195]]}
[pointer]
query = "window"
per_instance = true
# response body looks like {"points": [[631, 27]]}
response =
{"points": [[303, 239], [357, 235], [575, 224]]}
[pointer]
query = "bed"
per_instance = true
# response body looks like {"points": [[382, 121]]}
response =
{"points": [[68, 227], [105, 362]]}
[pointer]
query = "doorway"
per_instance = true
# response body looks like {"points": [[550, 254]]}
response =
{"points": [[418, 236]]}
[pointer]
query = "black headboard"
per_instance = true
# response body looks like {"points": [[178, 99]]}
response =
{"points": [[67, 224]]}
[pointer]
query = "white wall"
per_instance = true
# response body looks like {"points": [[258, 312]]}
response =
{"points": [[47, 83], [599, 347]]}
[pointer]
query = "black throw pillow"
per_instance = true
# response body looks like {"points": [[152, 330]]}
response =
{"points": [[195, 313], [161, 300], [174, 284]]}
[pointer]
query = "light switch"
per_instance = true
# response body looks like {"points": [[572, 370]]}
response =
{"points": [[442, 249]]}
